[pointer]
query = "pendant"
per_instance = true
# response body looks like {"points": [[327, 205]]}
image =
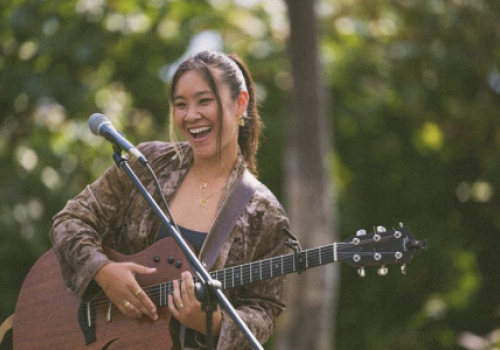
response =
{"points": [[203, 202]]}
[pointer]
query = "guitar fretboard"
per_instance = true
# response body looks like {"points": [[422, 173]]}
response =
{"points": [[255, 271]]}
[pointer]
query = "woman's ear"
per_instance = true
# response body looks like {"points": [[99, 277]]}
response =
{"points": [[242, 102]]}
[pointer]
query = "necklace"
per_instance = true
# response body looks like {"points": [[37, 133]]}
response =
{"points": [[203, 186], [204, 199]]}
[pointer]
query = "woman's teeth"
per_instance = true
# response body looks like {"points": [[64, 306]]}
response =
{"points": [[196, 132]]}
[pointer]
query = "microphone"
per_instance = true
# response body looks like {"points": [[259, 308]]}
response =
{"points": [[99, 124]]}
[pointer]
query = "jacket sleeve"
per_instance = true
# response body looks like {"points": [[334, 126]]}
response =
{"points": [[258, 303], [77, 230]]}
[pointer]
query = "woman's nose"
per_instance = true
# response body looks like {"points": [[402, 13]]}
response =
{"points": [[192, 114]]}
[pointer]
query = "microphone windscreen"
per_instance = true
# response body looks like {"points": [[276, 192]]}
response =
{"points": [[95, 122]]}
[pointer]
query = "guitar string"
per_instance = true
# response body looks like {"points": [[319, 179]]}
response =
{"points": [[161, 290], [166, 288]]}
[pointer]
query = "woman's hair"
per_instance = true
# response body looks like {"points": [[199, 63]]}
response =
{"points": [[235, 75]]}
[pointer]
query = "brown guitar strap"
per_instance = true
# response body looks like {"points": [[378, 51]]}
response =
{"points": [[231, 210], [229, 213]]}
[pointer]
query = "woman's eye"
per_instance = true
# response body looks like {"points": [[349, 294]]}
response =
{"points": [[205, 101]]}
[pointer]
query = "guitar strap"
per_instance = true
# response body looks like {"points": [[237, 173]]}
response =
{"points": [[229, 213], [231, 210]]}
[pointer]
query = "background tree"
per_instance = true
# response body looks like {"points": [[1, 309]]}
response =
{"points": [[308, 323]]}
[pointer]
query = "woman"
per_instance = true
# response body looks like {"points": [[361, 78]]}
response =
{"points": [[213, 106]]}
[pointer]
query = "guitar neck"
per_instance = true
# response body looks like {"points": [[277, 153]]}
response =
{"points": [[383, 247], [255, 271], [265, 269]]}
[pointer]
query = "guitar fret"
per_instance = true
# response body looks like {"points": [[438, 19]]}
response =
{"points": [[310, 261], [227, 278], [255, 271], [267, 271], [232, 276], [161, 294], [278, 266]]}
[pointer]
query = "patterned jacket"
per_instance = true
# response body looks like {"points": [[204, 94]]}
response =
{"points": [[112, 212]]}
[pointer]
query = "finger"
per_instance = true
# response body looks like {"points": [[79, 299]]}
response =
{"points": [[142, 270], [187, 287], [129, 310], [145, 305], [176, 295], [171, 307]]}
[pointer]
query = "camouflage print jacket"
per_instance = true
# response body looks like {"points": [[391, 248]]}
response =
{"points": [[112, 212]]}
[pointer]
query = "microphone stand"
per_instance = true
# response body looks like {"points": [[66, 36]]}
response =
{"points": [[210, 288]]}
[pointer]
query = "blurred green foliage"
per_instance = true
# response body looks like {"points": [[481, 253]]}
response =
{"points": [[414, 90]]}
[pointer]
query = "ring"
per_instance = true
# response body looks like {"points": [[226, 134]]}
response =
{"points": [[138, 292], [181, 306], [127, 303]]}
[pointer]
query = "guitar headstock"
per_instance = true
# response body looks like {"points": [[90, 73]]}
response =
{"points": [[382, 247]]}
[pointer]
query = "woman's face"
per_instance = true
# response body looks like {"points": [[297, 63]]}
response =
{"points": [[195, 113]]}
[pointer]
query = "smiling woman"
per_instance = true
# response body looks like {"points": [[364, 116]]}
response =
{"points": [[196, 114], [213, 107]]}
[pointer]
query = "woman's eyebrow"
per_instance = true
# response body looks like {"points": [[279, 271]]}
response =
{"points": [[196, 95]]}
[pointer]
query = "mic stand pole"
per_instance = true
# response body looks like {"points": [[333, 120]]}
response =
{"points": [[210, 284], [205, 293]]}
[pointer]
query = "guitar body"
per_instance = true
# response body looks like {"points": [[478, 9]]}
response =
{"points": [[46, 315]]}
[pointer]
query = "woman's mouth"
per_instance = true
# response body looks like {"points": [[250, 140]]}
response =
{"points": [[199, 132]]}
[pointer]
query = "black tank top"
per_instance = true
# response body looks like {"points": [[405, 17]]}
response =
{"points": [[195, 238]]}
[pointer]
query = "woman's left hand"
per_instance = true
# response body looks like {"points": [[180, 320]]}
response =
{"points": [[186, 308]]}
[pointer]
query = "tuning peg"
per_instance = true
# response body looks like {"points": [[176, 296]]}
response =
{"points": [[361, 272], [403, 269], [381, 229], [382, 270], [360, 233]]}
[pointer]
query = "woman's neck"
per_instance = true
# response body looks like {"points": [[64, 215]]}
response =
{"points": [[215, 167], [210, 172]]}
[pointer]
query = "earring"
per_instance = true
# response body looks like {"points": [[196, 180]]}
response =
{"points": [[242, 121]]}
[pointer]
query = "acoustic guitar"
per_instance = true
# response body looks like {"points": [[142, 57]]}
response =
{"points": [[50, 317]]}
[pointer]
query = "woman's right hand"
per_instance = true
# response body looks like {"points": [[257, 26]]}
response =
{"points": [[118, 281]]}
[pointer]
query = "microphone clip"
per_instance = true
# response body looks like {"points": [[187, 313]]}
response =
{"points": [[118, 156]]}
